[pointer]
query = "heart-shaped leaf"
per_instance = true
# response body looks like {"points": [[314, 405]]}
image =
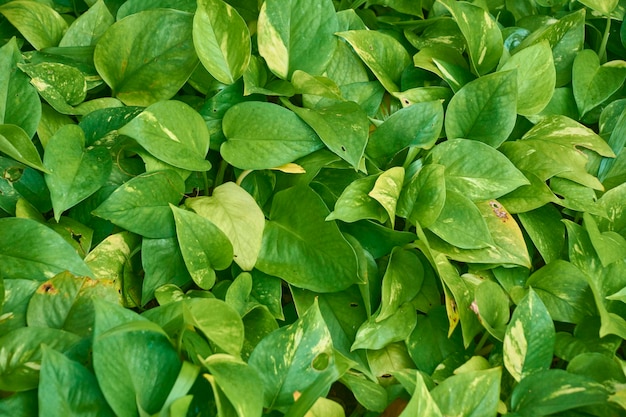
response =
{"points": [[15, 143], [157, 49], [39, 23], [88, 27], [75, 173], [173, 132], [594, 83]]}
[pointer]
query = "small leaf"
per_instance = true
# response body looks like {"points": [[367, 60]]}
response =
{"points": [[383, 54], [62, 86], [355, 203], [221, 39], [203, 245], [219, 322], [471, 394], [75, 172], [15, 143], [88, 27], [422, 200], [529, 338], [402, 281], [387, 190], [374, 334], [484, 109]]}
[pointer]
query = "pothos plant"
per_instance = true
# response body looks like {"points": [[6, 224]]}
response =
{"points": [[312, 208]]}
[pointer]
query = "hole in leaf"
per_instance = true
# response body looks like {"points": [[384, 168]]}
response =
{"points": [[353, 304], [321, 361], [343, 148]]}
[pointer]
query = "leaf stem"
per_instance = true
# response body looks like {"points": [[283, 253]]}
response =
{"points": [[605, 40], [221, 171], [482, 342], [243, 175]]}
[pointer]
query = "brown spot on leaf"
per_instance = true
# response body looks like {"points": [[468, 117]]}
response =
{"points": [[499, 210], [47, 288]]}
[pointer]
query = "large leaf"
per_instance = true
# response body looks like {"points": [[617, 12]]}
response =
{"points": [[75, 173], [536, 77], [265, 135], [302, 248], [88, 27], [19, 102], [487, 174], [343, 127], [141, 205], [39, 23], [30, 250], [418, 125], [293, 357], [469, 394], [594, 83], [14, 142], [68, 387], [238, 216], [173, 132], [529, 338], [221, 39], [383, 54], [481, 32], [203, 245], [484, 109], [22, 350], [135, 365], [156, 48], [297, 35]]}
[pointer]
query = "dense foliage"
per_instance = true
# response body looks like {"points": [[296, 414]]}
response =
{"points": [[312, 208]]}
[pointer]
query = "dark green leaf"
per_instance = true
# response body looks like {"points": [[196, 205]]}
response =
{"points": [[594, 83], [471, 394], [302, 248], [15, 143]]}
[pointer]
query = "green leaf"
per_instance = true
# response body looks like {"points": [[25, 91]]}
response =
{"points": [[471, 394], [88, 27], [368, 393], [172, 132], [461, 224], [22, 348], [234, 377], [484, 109], [343, 127], [422, 403], [19, 101], [551, 391], [387, 190], [162, 263], [529, 338], [68, 387], [219, 322], [297, 35], [383, 54], [238, 216], [40, 25], [265, 135], [221, 39], [156, 48], [355, 203], [422, 200], [486, 175], [141, 205], [203, 245], [15, 143], [402, 281], [64, 302], [30, 250], [75, 173], [111, 260], [429, 344], [564, 291], [566, 37], [300, 247], [125, 362], [492, 305], [536, 77], [62, 86], [610, 246], [376, 334], [605, 6], [293, 357], [545, 229], [481, 32], [594, 83], [418, 125]]}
